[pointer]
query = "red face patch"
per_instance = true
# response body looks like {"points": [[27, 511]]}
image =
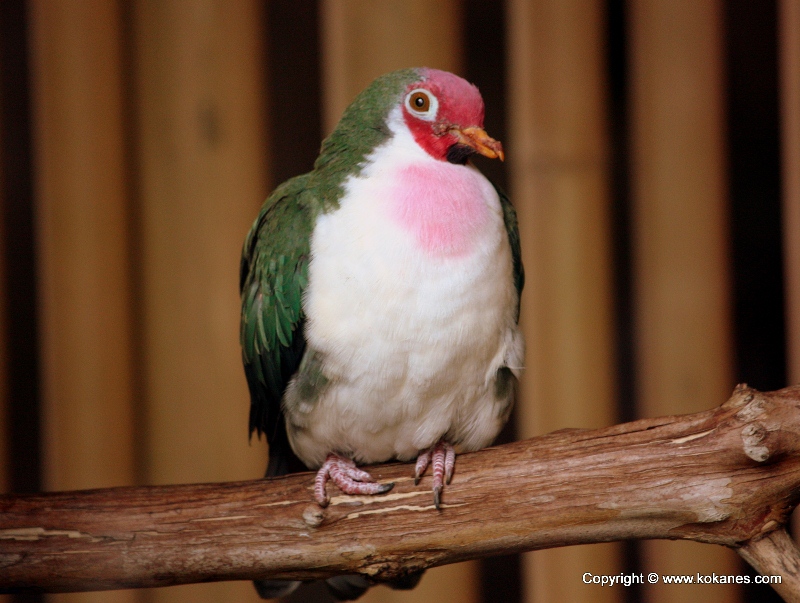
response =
{"points": [[438, 103]]}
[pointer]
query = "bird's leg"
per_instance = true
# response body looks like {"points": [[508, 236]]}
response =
{"points": [[443, 458], [349, 478]]}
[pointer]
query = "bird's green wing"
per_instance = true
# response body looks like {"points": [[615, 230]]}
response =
{"points": [[510, 219], [274, 273]]}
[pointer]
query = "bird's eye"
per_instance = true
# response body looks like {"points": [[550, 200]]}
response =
{"points": [[423, 104], [420, 101]]}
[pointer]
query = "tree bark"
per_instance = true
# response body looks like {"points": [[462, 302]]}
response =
{"points": [[727, 476]]}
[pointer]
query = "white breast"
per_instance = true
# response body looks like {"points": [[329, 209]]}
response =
{"points": [[411, 304]]}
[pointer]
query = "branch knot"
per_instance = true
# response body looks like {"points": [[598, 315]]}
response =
{"points": [[753, 434]]}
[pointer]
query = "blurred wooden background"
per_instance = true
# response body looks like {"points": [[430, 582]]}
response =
{"points": [[653, 156]]}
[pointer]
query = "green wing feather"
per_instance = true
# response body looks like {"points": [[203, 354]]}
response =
{"points": [[512, 228], [274, 274]]}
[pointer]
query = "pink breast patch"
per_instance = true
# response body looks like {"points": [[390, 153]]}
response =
{"points": [[443, 206]]}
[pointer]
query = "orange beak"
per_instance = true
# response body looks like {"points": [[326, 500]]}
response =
{"points": [[479, 140]]}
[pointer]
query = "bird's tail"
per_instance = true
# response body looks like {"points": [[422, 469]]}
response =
{"points": [[274, 589]]}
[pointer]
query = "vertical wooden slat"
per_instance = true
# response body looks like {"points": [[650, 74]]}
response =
{"points": [[22, 353], [560, 183], [202, 152], [361, 40], [789, 56], [293, 64], [5, 452], [83, 241], [83, 237], [681, 273]]}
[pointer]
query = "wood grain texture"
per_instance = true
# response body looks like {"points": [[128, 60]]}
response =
{"points": [[727, 476], [776, 555]]}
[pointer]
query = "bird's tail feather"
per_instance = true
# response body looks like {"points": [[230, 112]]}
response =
{"points": [[273, 589], [349, 587]]}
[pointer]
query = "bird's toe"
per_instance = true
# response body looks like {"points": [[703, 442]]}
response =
{"points": [[449, 462], [442, 457], [349, 478], [423, 460]]}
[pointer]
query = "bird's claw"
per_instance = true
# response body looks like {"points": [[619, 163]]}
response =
{"points": [[443, 458], [349, 478], [423, 460], [437, 497]]}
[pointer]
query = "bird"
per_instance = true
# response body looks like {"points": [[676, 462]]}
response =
{"points": [[380, 296]]}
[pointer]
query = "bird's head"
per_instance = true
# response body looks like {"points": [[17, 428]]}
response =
{"points": [[444, 113]]}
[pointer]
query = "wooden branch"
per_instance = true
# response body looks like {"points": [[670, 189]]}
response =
{"points": [[727, 476], [776, 555]]}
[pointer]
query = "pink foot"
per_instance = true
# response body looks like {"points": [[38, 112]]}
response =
{"points": [[349, 478], [443, 458]]}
